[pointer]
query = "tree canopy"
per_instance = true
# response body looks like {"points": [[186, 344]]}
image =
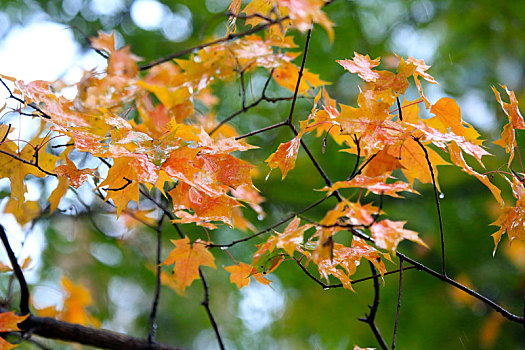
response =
{"points": [[266, 174]]}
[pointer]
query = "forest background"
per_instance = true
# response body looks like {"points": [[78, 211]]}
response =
{"points": [[471, 46]]}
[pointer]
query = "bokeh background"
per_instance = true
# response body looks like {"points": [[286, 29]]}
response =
{"points": [[471, 45]]}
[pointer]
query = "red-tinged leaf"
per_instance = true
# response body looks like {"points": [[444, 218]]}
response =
{"points": [[304, 13], [285, 156], [362, 65], [420, 71], [512, 219], [457, 158], [441, 140], [348, 258], [292, 236], [187, 259], [375, 184], [387, 234], [511, 109], [352, 213], [206, 208], [75, 176]]}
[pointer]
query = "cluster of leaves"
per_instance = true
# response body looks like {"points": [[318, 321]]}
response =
{"points": [[149, 138]]}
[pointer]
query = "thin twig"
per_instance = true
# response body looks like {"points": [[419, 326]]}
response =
{"points": [[305, 53], [206, 304], [340, 285], [399, 108], [28, 163], [32, 105], [228, 37], [274, 126], [398, 302], [24, 290], [438, 206], [280, 222], [153, 314], [370, 318]]}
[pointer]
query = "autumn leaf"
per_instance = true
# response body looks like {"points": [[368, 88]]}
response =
{"points": [[388, 234], [362, 65], [414, 163], [285, 156], [512, 219], [240, 275], [187, 259], [377, 185], [8, 323], [292, 236], [77, 299]]}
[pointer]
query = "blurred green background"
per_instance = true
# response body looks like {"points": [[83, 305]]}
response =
{"points": [[471, 45]]}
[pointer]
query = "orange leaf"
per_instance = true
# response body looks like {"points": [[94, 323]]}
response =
{"points": [[387, 234], [285, 156], [240, 275], [76, 300], [457, 158], [375, 184], [9, 322], [187, 259], [292, 236], [414, 163]]}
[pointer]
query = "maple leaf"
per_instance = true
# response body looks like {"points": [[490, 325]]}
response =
{"points": [[103, 42], [348, 258], [304, 12], [76, 300], [291, 237], [8, 323], [387, 234], [285, 156], [240, 275], [413, 161], [362, 65], [376, 184], [75, 176], [457, 158], [516, 121], [512, 219], [286, 75], [187, 259], [234, 9]]}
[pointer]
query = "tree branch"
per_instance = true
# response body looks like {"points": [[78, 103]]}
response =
{"points": [[370, 318], [24, 290], [51, 328]]}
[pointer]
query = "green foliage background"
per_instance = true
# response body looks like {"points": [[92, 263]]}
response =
{"points": [[477, 44]]}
